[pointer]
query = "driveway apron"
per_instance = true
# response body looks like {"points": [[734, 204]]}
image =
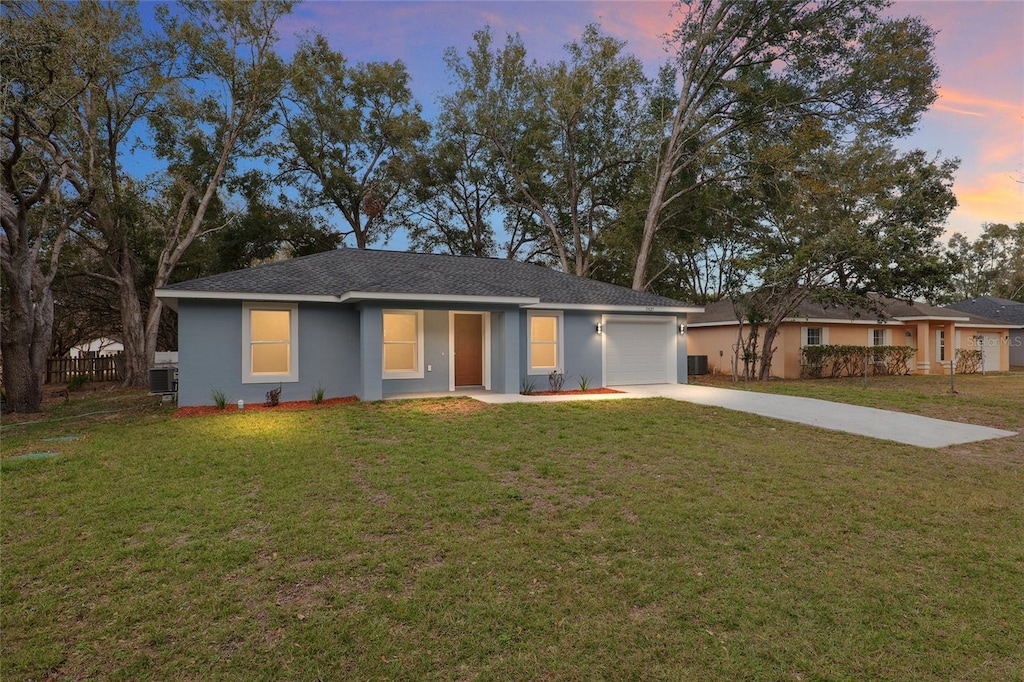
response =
{"points": [[864, 421]]}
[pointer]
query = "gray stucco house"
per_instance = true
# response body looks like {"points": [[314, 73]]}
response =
{"points": [[1002, 310], [380, 323]]}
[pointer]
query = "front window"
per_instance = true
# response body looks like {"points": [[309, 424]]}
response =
{"points": [[403, 344], [940, 343], [813, 336], [878, 337], [269, 343], [545, 342]]}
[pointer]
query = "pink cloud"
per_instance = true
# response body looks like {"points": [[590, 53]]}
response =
{"points": [[990, 198]]}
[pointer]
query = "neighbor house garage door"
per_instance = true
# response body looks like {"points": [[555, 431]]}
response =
{"points": [[988, 344], [639, 351]]}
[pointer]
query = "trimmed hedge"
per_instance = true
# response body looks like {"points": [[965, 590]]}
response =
{"points": [[848, 361], [968, 360]]}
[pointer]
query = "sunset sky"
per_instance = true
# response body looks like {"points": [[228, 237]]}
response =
{"points": [[979, 116]]}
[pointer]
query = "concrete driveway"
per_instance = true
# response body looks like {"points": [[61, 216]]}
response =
{"points": [[864, 421]]}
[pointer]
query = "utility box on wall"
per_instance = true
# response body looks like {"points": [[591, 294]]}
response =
{"points": [[163, 380], [696, 365]]}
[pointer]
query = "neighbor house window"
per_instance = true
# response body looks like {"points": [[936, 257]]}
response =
{"points": [[545, 345], [269, 342], [940, 344], [878, 337], [813, 336], [403, 344]]}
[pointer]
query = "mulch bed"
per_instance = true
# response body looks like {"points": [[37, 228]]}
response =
{"points": [[589, 391], [204, 410]]}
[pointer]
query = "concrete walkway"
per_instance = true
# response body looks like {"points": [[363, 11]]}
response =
{"points": [[864, 421]]}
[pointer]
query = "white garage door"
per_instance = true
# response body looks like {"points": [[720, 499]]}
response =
{"points": [[988, 344], [639, 351]]}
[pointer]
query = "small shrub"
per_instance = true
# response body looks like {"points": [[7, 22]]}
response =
{"points": [[318, 394], [968, 360], [584, 382], [556, 380], [848, 361], [78, 382], [897, 359], [529, 387], [220, 399], [273, 397]]}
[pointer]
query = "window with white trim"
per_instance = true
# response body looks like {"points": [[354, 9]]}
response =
{"points": [[269, 342], [812, 336], [403, 344], [879, 337], [544, 351], [940, 344]]}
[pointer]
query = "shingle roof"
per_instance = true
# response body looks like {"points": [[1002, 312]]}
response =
{"points": [[891, 309], [334, 273], [1002, 309]]}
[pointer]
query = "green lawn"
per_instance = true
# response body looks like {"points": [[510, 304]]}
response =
{"points": [[449, 540]]}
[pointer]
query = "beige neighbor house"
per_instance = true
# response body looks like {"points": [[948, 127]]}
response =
{"points": [[935, 332]]}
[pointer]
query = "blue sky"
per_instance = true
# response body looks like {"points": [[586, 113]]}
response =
{"points": [[979, 116]]}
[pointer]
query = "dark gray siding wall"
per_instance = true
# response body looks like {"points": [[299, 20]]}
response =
{"points": [[583, 350], [435, 356], [681, 352], [436, 349], [581, 354], [210, 353]]}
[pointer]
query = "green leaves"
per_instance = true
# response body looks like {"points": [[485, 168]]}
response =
{"points": [[754, 70], [350, 132], [563, 138], [991, 265]]}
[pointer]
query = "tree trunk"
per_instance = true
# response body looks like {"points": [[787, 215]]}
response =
{"points": [[27, 337], [133, 331], [651, 223], [767, 351]]}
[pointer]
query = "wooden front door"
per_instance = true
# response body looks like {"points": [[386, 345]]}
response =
{"points": [[469, 350]]}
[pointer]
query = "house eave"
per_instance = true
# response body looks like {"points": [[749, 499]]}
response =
{"points": [[932, 318], [357, 296], [801, 320], [171, 296], [679, 310], [961, 321], [983, 325]]}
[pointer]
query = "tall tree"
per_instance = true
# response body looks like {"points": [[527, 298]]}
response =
{"points": [[350, 132], [263, 228], [991, 265], [567, 135], [114, 234], [217, 113], [751, 65], [454, 195], [843, 222], [47, 61]]}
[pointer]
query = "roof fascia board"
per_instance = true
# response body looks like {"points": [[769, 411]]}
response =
{"points": [[838, 320], [616, 308], [531, 302], [720, 323], [982, 325], [354, 296], [799, 320], [936, 318], [245, 296]]}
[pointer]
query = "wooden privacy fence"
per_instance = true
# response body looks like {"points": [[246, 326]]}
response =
{"points": [[63, 370]]}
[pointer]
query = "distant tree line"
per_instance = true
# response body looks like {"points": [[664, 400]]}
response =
{"points": [[759, 164]]}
